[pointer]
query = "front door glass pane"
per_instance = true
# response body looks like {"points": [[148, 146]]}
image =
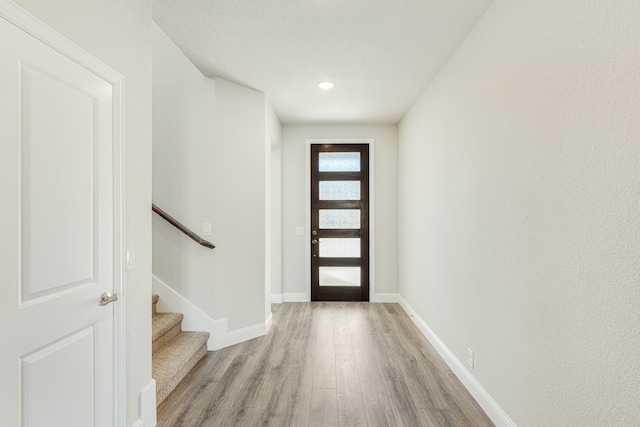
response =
{"points": [[340, 248], [339, 218], [339, 190], [339, 276], [339, 162]]}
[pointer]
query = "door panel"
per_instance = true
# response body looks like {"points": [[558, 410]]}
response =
{"points": [[340, 276], [339, 161], [339, 190], [339, 218], [42, 379], [52, 194], [332, 247], [58, 229], [340, 222]]}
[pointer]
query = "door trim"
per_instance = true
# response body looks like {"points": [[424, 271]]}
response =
{"points": [[372, 208], [22, 19]]}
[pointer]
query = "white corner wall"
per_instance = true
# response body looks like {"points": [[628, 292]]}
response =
{"points": [[117, 32], [274, 146], [519, 177], [240, 196], [294, 248], [212, 164], [184, 103]]}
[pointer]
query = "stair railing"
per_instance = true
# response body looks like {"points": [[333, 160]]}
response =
{"points": [[171, 220]]}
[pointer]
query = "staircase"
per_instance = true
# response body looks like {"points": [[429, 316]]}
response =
{"points": [[175, 352]]}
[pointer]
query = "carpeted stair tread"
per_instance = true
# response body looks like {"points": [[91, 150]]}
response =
{"points": [[173, 361], [164, 327]]}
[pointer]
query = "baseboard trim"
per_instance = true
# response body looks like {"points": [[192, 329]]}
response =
{"points": [[148, 405], [384, 298], [194, 318], [303, 297], [268, 323], [499, 417], [295, 297], [249, 333]]}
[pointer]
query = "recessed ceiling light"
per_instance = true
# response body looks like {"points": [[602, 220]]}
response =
{"points": [[326, 85]]}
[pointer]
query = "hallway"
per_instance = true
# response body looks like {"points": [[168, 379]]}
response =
{"points": [[325, 364]]}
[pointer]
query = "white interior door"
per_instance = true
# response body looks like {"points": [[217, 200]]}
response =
{"points": [[57, 252]]}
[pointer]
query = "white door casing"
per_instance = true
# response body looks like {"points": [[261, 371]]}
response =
{"points": [[60, 228]]}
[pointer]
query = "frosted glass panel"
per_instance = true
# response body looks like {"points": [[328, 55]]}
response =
{"points": [[339, 190], [339, 218], [339, 248], [339, 276], [339, 162]]}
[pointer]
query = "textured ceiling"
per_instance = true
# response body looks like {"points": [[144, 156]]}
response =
{"points": [[379, 53]]}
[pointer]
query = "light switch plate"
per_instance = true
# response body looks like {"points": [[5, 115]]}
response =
{"points": [[131, 259], [299, 231], [206, 229]]}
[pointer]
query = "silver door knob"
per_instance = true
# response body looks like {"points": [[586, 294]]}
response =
{"points": [[107, 298], [314, 241]]}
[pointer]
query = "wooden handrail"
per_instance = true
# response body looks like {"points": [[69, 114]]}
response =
{"points": [[171, 220]]}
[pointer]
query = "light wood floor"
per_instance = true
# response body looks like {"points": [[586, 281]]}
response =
{"points": [[325, 364]]}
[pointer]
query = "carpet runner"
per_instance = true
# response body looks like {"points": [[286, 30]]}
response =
{"points": [[175, 352]]}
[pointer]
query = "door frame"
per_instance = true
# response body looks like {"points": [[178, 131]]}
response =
{"points": [[22, 19], [372, 223]]}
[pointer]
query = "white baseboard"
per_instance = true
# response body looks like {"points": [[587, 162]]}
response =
{"points": [[250, 332], [148, 405], [384, 298], [499, 417], [303, 297], [196, 320], [295, 297], [268, 323]]}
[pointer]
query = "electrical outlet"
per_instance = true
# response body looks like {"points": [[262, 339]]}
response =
{"points": [[470, 358]]}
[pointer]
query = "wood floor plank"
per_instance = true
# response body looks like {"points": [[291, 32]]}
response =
{"points": [[463, 408], [325, 364], [324, 376], [351, 411], [437, 418], [324, 408], [377, 404], [291, 402]]}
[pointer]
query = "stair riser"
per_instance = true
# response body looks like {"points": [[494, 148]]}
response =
{"points": [[164, 389], [167, 336]]}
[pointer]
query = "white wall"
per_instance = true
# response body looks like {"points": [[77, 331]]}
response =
{"points": [[294, 274], [274, 144], [519, 177], [212, 164], [118, 33], [276, 221], [239, 192], [183, 152]]}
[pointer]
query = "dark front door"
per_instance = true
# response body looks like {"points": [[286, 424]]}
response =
{"points": [[340, 222]]}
